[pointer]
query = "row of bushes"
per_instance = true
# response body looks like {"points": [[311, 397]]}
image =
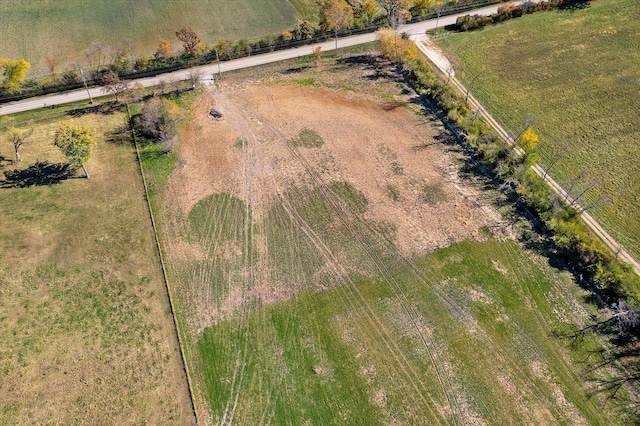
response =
{"points": [[591, 259], [127, 66], [510, 11]]}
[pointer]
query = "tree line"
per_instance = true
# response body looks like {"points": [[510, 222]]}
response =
{"points": [[336, 17], [510, 11], [613, 285]]}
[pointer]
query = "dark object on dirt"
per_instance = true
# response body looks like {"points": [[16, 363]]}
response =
{"points": [[216, 113]]}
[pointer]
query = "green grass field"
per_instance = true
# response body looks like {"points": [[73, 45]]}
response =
{"points": [[66, 28], [87, 337], [304, 312], [356, 355], [577, 72], [307, 9], [464, 333]]}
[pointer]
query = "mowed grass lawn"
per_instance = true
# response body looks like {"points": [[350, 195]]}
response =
{"points": [[63, 29], [86, 335], [577, 72]]}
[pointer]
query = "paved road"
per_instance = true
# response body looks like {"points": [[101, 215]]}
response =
{"points": [[416, 30], [251, 61], [615, 247]]}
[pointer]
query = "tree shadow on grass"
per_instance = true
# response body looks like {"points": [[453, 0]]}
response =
{"points": [[392, 105], [39, 174], [120, 136], [365, 61], [104, 108], [4, 161], [443, 138], [380, 68], [575, 5], [296, 70]]}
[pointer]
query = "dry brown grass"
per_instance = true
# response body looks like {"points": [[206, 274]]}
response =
{"points": [[85, 324]]}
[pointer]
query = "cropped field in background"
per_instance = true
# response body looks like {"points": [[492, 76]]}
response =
{"points": [[64, 29], [577, 72]]}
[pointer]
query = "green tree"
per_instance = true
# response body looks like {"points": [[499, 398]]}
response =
{"points": [[335, 15], [303, 31], [14, 72], [76, 144]]}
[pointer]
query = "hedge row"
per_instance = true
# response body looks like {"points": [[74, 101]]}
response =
{"points": [[303, 33], [510, 11], [592, 260]]}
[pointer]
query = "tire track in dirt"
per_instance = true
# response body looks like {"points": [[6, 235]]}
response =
{"points": [[338, 272], [258, 183], [427, 341], [338, 210], [252, 174]]}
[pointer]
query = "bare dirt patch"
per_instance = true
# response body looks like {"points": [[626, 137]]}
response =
{"points": [[400, 161], [365, 143]]}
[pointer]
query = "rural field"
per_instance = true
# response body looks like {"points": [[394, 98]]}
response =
{"points": [[64, 29], [86, 335], [336, 261], [577, 73]]}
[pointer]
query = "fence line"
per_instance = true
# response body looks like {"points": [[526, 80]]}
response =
{"points": [[164, 272]]}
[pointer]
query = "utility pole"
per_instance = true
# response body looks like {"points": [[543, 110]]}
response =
{"points": [[85, 86], [218, 60]]}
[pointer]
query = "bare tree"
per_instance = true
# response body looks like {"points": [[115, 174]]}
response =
{"points": [[575, 181], [113, 84], [18, 138], [528, 121], [450, 71], [397, 11], [52, 63], [593, 182], [95, 56], [190, 40], [195, 75], [132, 48], [472, 81], [159, 120], [175, 83], [162, 86], [557, 155], [602, 200]]}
